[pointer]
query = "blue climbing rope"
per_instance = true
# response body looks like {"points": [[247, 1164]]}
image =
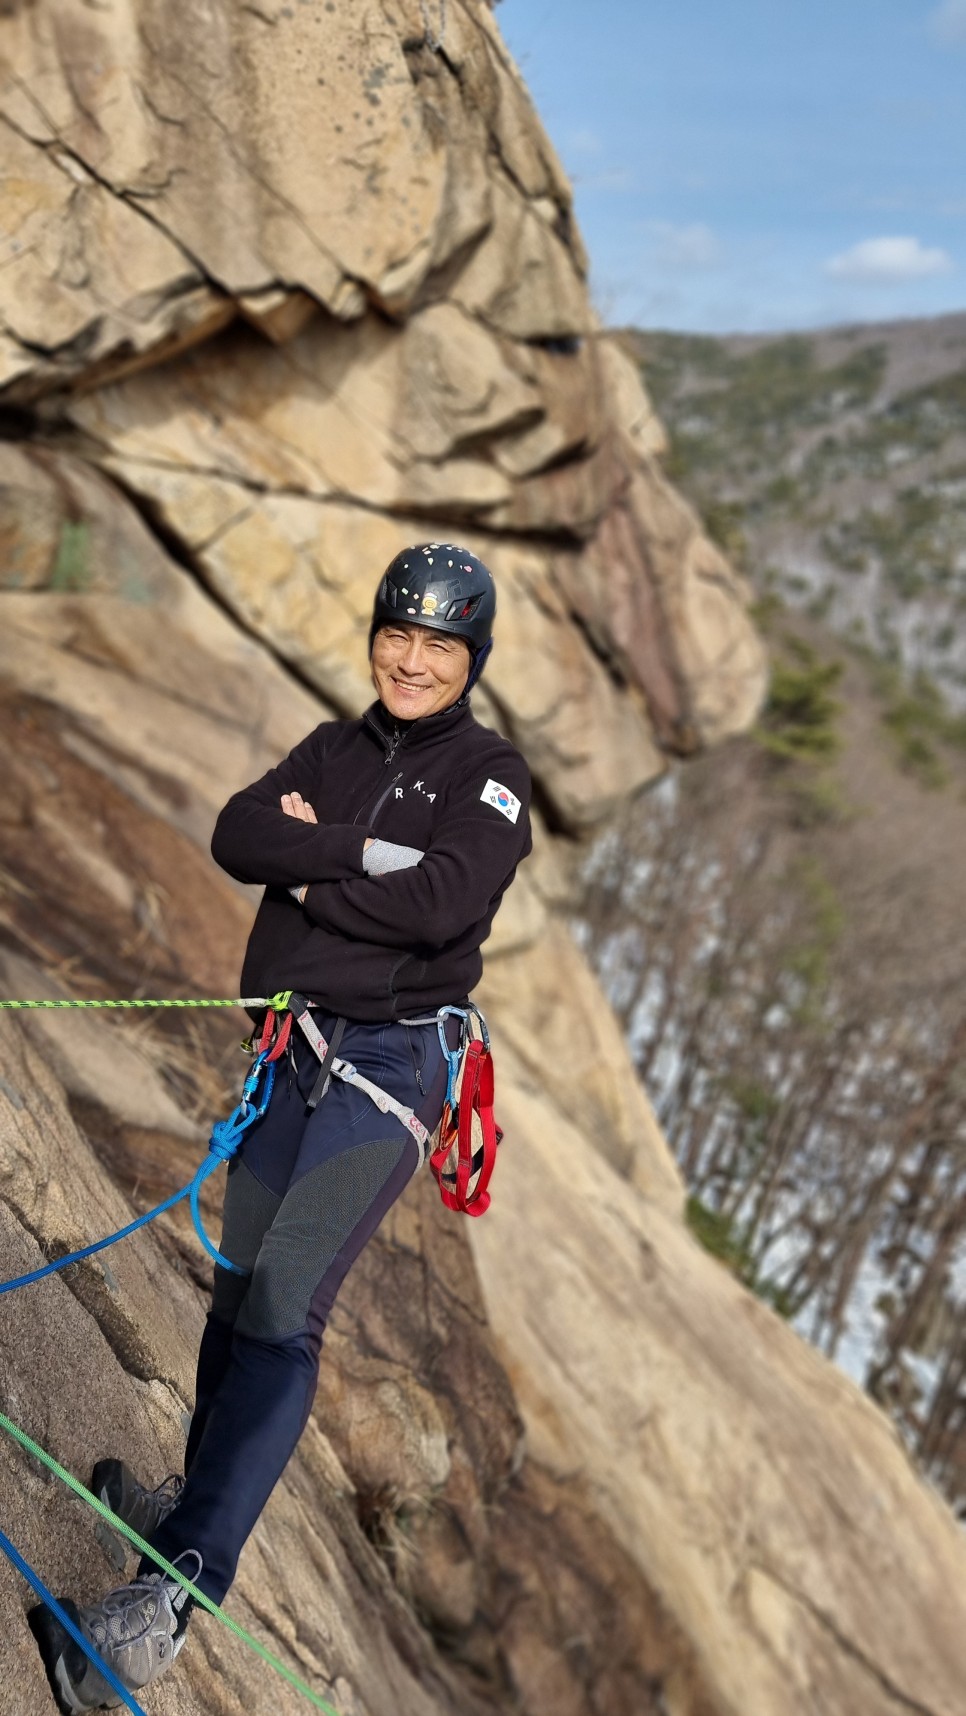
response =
{"points": [[89, 1250], [226, 1135], [36, 1583], [225, 1138]]}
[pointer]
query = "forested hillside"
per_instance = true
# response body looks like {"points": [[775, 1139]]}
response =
{"points": [[835, 465], [783, 928]]}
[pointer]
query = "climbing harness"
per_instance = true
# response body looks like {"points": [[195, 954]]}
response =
{"points": [[462, 1151], [331, 1066], [168, 1569], [434, 42]]}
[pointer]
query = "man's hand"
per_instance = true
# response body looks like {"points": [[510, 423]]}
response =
{"points": [[295, 805]]}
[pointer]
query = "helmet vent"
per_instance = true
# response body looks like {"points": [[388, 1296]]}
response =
{"points": [[463, 609]]}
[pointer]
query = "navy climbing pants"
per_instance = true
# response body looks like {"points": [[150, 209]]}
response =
{"points": [[305, 1193]]}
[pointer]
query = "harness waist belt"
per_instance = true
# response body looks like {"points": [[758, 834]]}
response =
{"points": [[344, 1070]]}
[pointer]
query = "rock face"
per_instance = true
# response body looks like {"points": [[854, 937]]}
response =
{"points": [[412, 1558], [284, 285], [333, 298]]}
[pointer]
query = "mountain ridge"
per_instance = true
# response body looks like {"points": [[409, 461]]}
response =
{"points": [[833, 465]]}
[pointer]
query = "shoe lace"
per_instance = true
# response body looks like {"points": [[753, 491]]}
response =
{"points": [[125, 1616], [173, 1586], [168, 1493]]}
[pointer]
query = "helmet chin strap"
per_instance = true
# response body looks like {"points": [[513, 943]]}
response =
{"points": [[479, 662]]}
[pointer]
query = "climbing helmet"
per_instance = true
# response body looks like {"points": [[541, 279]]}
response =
{"points": [[441, 586]]}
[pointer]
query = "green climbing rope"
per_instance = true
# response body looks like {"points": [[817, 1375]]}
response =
{"points": [[249, 1001], [170, 1571]]}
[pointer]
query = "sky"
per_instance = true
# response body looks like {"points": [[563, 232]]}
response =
{"points": [[753, 165]]}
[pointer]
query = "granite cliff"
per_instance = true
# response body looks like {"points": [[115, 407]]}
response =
{"points": [[284, 285]]}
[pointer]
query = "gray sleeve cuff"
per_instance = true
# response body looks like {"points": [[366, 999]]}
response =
{"points": [[384, 855]]}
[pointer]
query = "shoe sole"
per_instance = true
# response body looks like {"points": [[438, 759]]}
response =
{"points": [[117, 1548], [61, 1656]]}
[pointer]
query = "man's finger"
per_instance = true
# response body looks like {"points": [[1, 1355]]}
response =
{"points": [[295, 805]]}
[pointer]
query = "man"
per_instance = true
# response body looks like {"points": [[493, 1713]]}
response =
{"points": [[385, 846]]}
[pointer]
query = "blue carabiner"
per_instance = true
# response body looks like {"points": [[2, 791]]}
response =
{"points": [[453, 1056]]}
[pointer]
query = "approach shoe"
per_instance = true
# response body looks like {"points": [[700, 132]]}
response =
{"points": [[142, 1509], [134, 1632]]}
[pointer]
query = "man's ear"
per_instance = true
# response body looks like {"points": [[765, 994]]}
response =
{"points": [[477, 665]]}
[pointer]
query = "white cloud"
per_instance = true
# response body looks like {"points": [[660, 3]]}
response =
{"points": [[948, 21], [617, 179], [585, 142], [682, 247], [888, 260]]}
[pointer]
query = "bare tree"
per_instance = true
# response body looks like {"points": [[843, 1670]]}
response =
{"points": [[787, 979]]}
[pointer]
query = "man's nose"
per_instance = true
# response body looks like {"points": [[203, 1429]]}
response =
{"points": [[412, 658]]}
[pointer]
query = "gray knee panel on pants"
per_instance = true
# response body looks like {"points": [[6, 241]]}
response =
{"points": [[250, 1209], [313, 1223]]}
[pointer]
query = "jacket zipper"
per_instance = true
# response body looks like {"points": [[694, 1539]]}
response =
{"points": [[380, 801], [395, 741], [394, 744]]}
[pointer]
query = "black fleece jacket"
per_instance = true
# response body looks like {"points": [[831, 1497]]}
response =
{"points": [[379, 947]]}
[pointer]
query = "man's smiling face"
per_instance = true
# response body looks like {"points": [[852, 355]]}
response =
{"points": [[417, 671]]}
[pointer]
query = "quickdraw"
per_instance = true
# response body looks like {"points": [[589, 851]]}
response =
{"points": [[467, 1138]]}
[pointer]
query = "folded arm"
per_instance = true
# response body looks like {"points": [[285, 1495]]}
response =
{"points": [[256, 840], [379, 857], [473, 853]]}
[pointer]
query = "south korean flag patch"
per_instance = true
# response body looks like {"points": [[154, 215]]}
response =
{"points": [[501, 799]]}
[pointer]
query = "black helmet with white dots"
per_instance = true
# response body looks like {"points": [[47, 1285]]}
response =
{"points": [[439, 585]]}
